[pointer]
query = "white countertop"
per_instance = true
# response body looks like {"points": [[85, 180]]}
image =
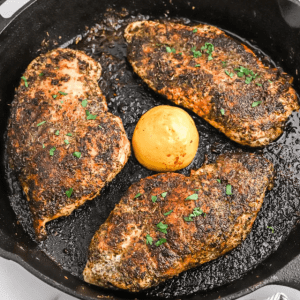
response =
{"points": [[18, 284]]}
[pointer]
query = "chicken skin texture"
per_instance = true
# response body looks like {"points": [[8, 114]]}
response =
{"points": [[62, 142], [168, 223], [215, 76]]}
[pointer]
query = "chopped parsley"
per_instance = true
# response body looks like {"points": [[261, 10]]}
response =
{"points": [[154, 199], [57, 132], [196, 212], [100, 127], [149, 239], [224, 63], [169, 212], [270, 81], [258, 84], [77, 154], [162, 227], [180, 53], [164, 194], [270, 227], [196, 54], [222, 111], [209, 50], [43, 122], [137, 195], [61, 102], [41, 74], [228, 189], [63, 93], [84, 103], [192, 197], [54, 96], [196, 189], [198, 65], [229, 74], [66, 142], [69, 192], [52, 151], [44, 146], [25, 81], [195, 30], [250, 76], [89, 116], [69, 134], [219, 180], [160, 242], [256, 103], [170, 50]]}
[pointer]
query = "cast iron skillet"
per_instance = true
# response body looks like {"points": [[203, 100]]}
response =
{"points": [[273, 25]]}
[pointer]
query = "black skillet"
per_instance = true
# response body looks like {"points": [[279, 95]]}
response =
{"points": [[274, 26]]}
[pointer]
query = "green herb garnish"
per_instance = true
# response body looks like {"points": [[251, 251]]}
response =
{"points": [[258, 84], [209, 50], [43, 122], [63, 93], [270, 227], [222, 111], [196, 212], [84, 103], [198, 65], [77, 154], [170, 50], [160, 242], [228, 189], [196, 54], [69, 192], [154, 199], [219, 180], [169, 212], [256, 103], [44, 146], [241, 71], [195, 30], [149, 239], [41, 74], [229, 74], [25, 81], [52, 151], [162, 227], [57, 132], [270, 81], [164, 194], [54, 96], [192, 197], [66, 142], [89, 116], [69, 134], [224, 63], [137, 195]]}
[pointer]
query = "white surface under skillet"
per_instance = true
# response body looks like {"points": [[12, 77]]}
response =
{"points": [[18, 284]]}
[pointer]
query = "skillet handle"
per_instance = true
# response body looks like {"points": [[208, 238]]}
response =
{"points": [[10, 9], [290, 11]]}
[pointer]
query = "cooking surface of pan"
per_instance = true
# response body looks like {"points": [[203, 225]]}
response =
{"points": [[128, 97]]}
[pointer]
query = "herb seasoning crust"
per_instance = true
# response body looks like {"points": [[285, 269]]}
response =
{"points": [[215, 76], [62, 155], [143, 243]]}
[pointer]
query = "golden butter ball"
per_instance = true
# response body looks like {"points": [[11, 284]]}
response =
{"points": [[165, 139]]}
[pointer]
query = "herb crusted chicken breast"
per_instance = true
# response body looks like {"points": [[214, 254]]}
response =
{"points": [[218, 78], [168, 223], [62, 142]]}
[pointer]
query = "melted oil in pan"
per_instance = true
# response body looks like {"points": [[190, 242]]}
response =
{"points": [[128, 97]]}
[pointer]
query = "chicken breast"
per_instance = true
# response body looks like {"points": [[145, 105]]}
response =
{"points": [[218, 78], [168, 223], [62, 142]]}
